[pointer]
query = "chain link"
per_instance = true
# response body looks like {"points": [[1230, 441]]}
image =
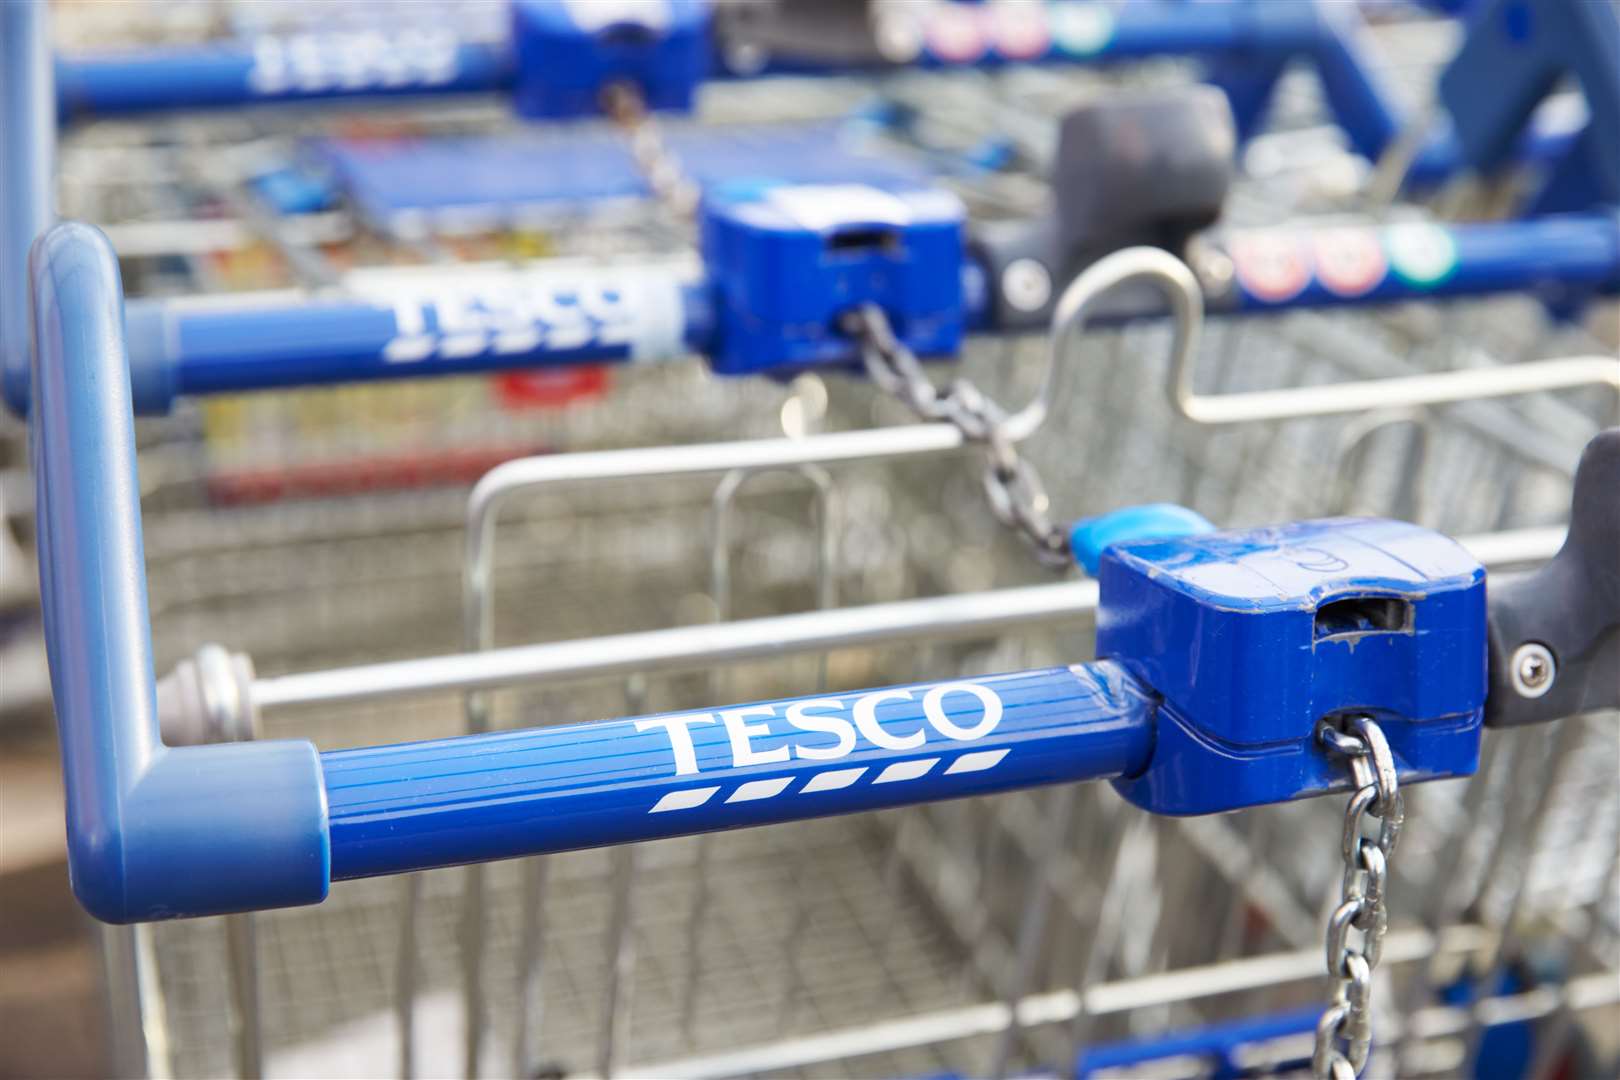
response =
{"points": [[1344, 1034], [1017, 496], [657, 163]]}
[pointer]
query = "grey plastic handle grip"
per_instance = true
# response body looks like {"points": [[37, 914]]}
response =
{"points": [[1147, 167], [1555, 634]]}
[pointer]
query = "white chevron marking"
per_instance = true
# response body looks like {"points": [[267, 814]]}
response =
{"points": [[760, 789], [906, 770], [684, 799], [978, 761], [831, 780]]}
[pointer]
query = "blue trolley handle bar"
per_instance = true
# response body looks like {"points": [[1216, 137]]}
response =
{"points": [[381, 63], [477, 798], [181, 347], [157, 832]]}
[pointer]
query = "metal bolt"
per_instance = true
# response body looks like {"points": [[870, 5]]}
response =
{"points": [[1214, 270], [1026, 284], [898, 36], [1532, 669]]}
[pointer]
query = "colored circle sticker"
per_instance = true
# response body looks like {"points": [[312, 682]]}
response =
{"points": [[1271, 266], [1421, 255], [1020, 29], [1081, 27], [1349, 262], [955, 34], [898, 35]]}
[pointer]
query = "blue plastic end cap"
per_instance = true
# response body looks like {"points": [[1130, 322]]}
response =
{"points": [[154, 377], [1151, 521], [209, 830]]}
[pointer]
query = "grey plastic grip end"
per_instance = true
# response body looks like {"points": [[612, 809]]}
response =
{"points": [[1555, 633], [1151, 167]]}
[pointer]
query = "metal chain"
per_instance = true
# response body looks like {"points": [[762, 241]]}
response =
{"points": [[1017, 496], [1344, 1034], [657, 163]]}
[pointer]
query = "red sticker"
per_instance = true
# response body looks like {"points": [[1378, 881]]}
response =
{"points": [[1021, 29], [1271, 266], [550, 388], [1349, 262], [956, 34]]}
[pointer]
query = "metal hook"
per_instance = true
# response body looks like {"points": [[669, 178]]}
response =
{"points": [[1354, 443], [1172, 277]]}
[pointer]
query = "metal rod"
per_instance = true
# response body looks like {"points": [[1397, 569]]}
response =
{"points": [[530, 473], [620, 962], [1437, 388], [936, 618], [243, 976], [1400, 947], [1181, 288], [410, 896], [963, 615]]}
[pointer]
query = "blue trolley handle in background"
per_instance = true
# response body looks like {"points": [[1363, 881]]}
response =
{"points": [[1299, 623], [179, 347], [555, 64]]}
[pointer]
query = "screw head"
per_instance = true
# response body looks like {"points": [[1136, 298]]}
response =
{"points": [[1026, 284], [1532, 669], [897, 33]]}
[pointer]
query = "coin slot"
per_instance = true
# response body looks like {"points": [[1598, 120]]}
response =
{"points": [[864, 242], [1359, 615]]}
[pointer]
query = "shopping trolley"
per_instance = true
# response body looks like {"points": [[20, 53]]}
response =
{"points": [[72, 259]]}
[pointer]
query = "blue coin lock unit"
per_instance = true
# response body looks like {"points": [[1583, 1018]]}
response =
{"points": [[570, 51], [789, 260], [1251, 638]]}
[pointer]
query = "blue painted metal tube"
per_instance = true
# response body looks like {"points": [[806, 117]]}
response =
{"points": [[152, 832], [27, 156], [419, 805], [360, 64], [187, 347], [328, 66], [1218, 1046], [1562, 259], [300, 68]]}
